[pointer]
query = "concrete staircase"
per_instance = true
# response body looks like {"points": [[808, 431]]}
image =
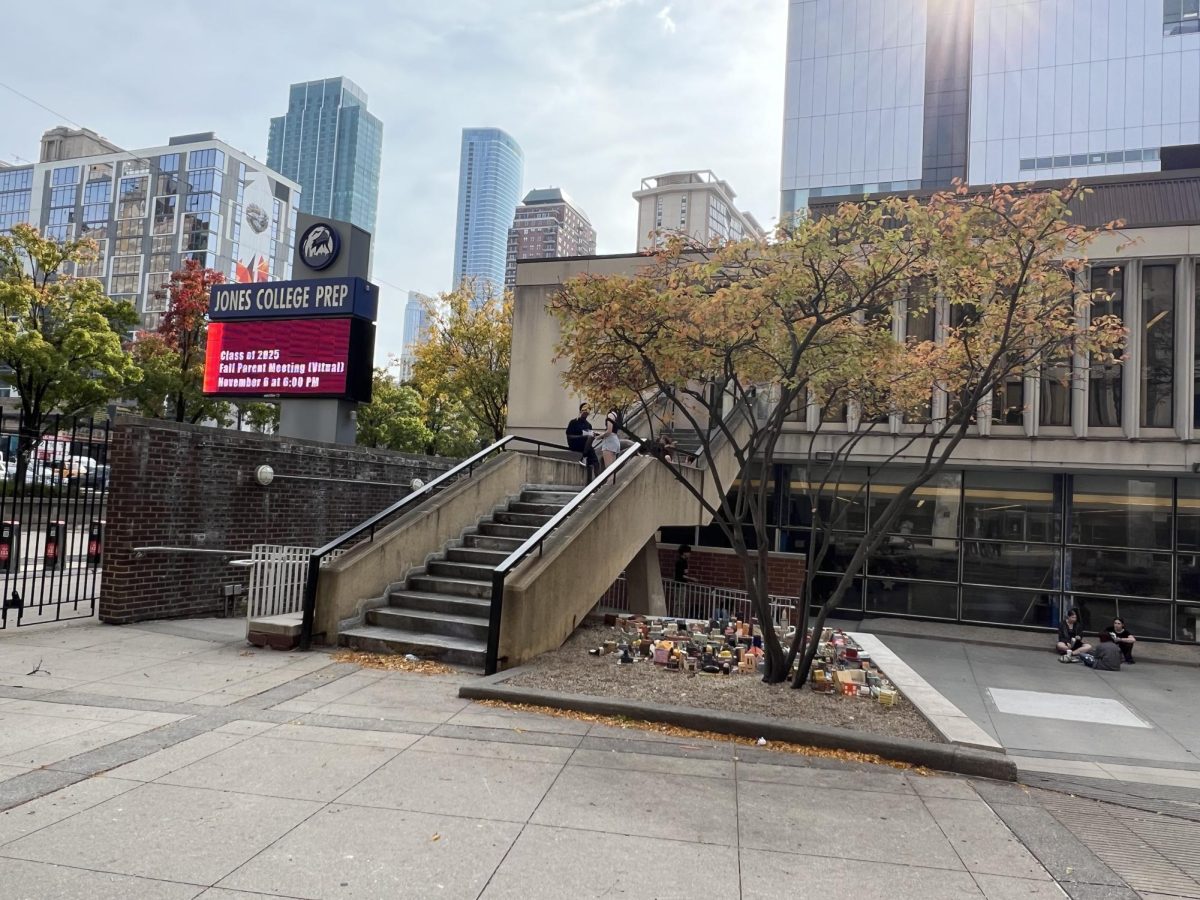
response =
{"points": [[442, 611]]}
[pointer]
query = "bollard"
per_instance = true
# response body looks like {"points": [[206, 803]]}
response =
{"points": [[95, 546], [54, 539], [10, 546]]}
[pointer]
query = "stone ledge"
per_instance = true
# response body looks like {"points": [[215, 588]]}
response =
{"points": [[943, 757], [277, 632]]}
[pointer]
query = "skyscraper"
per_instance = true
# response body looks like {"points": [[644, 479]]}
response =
{"points": [[886, 95], [490, 169], [331, 146], [547, 224], [416, 325]]}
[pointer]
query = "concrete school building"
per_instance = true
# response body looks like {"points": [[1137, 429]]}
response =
{"points": [[1081, 488]]}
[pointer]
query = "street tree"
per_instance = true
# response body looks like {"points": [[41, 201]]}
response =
{"points": [[60, 335], [395, 417], [809, 322], [172, 357], [466, 356]]}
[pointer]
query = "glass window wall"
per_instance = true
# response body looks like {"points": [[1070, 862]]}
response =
{"points": [[1158, 346], [1104, 388], [1114, 511]]}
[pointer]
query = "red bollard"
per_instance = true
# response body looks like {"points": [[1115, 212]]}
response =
{"points": [[55, 532], [10, 546], [95, 547]]}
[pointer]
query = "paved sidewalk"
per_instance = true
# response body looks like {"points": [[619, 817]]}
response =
{"points": [[172, 761]]}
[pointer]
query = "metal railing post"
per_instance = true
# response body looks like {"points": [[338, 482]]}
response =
{"points": [[310, 600], [492, 660]]}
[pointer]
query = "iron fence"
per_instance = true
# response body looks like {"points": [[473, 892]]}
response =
{"points": [[687, 600]]}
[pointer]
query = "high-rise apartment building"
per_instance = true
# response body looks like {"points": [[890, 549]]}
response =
{"points": [[148, 210], [491, 168], [330, 145], [416, 328], [894, 95], [546, 225], [697, 203]]}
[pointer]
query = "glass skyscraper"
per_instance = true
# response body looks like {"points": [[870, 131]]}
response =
{"points": [[490, 170], [331, 146], [897, 95]]}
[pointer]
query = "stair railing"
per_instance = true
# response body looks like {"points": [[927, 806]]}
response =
{"points": [[466, 469], [534, 542]]}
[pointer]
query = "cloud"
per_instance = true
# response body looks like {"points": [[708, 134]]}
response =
{"points": [[664, 16], [593, 9]]}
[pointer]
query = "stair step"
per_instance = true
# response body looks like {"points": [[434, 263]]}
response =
{"points": [[506, 531], [451, 569], [480, 556], [461, 651], [558, 498], [504, 545], [458, 587], [431, 623], [571, 489], [440, 603], [513, 518], [537, 509]]}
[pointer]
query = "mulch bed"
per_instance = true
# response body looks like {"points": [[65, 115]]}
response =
{"points": [[570, 670]]}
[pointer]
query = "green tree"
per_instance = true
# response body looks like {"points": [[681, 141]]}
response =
{"points": [[60, 336], [395, 417], [172, 358], [466, 356], [454, 432], [261, 415]]}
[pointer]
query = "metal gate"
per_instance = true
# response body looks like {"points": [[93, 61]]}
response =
{"points": [[278, 574], [52, 498]]}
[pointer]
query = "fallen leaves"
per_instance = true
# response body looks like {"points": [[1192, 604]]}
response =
{"points": [[392, 662], [677, 731]]}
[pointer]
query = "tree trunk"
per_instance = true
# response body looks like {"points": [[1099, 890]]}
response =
{"points": [[774, 669]]}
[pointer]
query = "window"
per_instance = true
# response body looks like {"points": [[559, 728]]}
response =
{"points": [[22, 179], [1196, 355], [128, 247], [1181, 17], [169, 163], [1056, 392], [67, 175], [131, 228], [164, 215], [1158, 346], [63, 196], [126, 265], [124, 284], [1104, 379]]}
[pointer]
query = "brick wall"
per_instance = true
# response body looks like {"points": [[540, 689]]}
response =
{"points": [[720, 568], [188, 486]]}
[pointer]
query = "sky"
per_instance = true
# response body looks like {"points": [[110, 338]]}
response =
{"points": [[599, 93]]}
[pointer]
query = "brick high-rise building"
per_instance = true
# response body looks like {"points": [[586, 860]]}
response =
{"points": [[547, 225]]}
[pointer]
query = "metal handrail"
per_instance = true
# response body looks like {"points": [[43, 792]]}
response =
{"points": [[535, 541], [314, 562]]}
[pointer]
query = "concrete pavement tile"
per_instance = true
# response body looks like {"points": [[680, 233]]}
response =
{"points": [[842, 823], [20, 731], [245, 727], [404, 691], [76, 665], [65, 748], [504, 789], [184, 675], [7, 772], [1059, 851], [167, 832], [770, 875], [942, 787], [296, 770], [157, 719], [298, 706], [227, 894], [1006, 792], [698, 750], [25, 880], [483, 717], [997, 887], [508, 736], [39, 685], [334, 688], [70, 710], [433, 713], [1146, 896], [651, 762], [1153, 775], [145, 691], [394, 740], [57, 806], [493, 749], [886, 782], [349, 723], [33, 784], [983, 842], [675, 807], [556, 863], [81, 636], [1101, 892], [357, 853], [1060, 766], [258, 683], [163, 762]]}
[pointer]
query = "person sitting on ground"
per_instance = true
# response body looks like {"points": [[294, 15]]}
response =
{"points": [[580, 438], [1106, 657], [1122, 638], [1070, 639]]}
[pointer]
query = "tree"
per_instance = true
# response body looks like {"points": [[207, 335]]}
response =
{"points": [[60, 336], [262, 416], [774, 327], [172, 358], [466, 356], [395, 417]]}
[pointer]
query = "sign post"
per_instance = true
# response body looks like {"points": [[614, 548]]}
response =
{"points": [[309, 343]]}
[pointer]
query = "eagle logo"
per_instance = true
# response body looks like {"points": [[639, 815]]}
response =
{"points": [[319, 246]]}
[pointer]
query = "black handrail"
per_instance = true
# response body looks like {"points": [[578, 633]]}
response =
{"points": [[534, 541], [314, 560]]}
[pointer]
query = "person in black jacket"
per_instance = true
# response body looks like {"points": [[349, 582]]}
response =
{"points": [[1070, 639], [580, 437], [1123, 638]]}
